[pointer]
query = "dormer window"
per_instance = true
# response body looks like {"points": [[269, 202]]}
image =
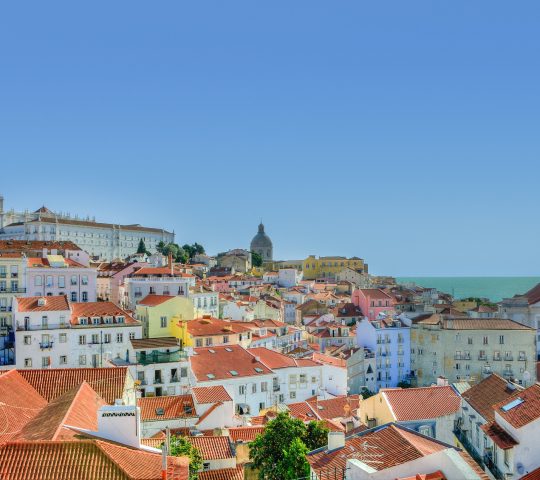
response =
{"points": [[83, 321], [120, 319], [95, 320], [108, 320], [41, 302]]}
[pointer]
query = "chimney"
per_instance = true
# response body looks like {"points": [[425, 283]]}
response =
{"points": [[44, 253], [171, 264], [336, 440], [120, 423], [442, 381]]}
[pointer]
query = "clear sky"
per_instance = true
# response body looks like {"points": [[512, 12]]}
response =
{"points": [[403, 132]]}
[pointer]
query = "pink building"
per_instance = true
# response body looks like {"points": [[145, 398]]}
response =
{"points": [[110, 276], [53, 275], [373, 301]]}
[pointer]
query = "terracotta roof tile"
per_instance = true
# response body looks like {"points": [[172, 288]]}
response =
{"points": [[219, 362], [303, 411], [50, 304], [77, 408], [245, 434], [208, 326], [213, 448], [176, 406], [84, 460], [499, 436], [204, 395], [154, 300], [534, 475], [51, 383], [335, 407], [99, 309], [19, 404], [422, 403], [488, 392], [387, 446], [223, 474], [161, 342], [528, 410]]}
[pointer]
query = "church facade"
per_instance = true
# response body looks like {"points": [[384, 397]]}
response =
{"points": [[262, 245]]}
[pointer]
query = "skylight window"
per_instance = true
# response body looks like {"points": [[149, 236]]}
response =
{"points": [[211, 376], [212, 351], [512, 404], [228, 349], [258, 370], [160, 411], [234, 373]]}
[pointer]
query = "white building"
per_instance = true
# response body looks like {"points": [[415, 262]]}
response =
{"points": [[289, 277], [51, 332], [205, 301], [105, 241]]}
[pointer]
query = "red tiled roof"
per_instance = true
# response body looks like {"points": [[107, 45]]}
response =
{"points": [[382, 448], [52, 304], [208, 326], [303, 411], [422, 403], [533, 295], [223, 474], [335, 407], [438, 475], [483, 324], [488, 392], [99, 309], [499, 436], [213, 448], [40, 262], [35, 245], [51, 383], [245, 434], [525, 412], [176, 406], [161, 271], [375, 293], [77, 408], [221, 361], [153, 300], [274, 360], [84, 460], [19, 404], [534, 475], [210, 394], [208, 412]]}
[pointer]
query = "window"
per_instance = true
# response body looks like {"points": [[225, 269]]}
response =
{"points": [[63, 359], [198, 342], [225, 338], [261, 405], [131, 335], [253, 388], [264, 386], [73, 296], [242, 389], [163, 322], [73, 280], [82, 359], [303, 378], [27, 340], [38, 281], [84, 280], [501, 339], [469, 341], [45, 362], [119, 338], [313, 379], [61, 281], [183, 372], [44, 321], [49, 281], [28, 363], [485, 341], [425, 430], [82, 339], [107, 338], [95, 338], [292, 395], [62, 338], [208, 341], [85, 296]]}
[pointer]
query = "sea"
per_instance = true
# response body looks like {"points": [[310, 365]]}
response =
{"points": [[493, 288]]}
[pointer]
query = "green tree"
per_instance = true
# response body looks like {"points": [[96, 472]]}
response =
{"points": [[160, 246], [182, 447], [190, 252], [404, 384], [316, 435], [267, 451], [294, 462], [198, 249], [366, 393], [142, 247], [256, 259]]}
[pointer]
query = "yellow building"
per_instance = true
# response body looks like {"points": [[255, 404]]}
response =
{"points": [[329, 267], [161, 315], [270, 309], [464, 305]]}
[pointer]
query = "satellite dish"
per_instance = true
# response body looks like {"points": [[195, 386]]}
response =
{"points": [[526, 376]]}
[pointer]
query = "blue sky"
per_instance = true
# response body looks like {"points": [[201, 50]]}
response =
{"points": [[406, 133]]}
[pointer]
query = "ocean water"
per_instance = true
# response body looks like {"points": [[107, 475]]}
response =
{"points": [[494, 288]]}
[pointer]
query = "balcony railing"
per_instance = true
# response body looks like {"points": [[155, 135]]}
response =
{"points": [[464, 440], [276, 388], [174, 379], [161, 357], [482, 357], [522, 358], [49, 326], [493, 468], [509, 358], [46, 345], [12, 290]]}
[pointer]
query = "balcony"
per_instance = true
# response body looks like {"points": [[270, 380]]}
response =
{"points": [[49, 326], [497, 358], [492, 467], [482, 357], [175, 379], [464, 440], [508, 374], [522, 358], [46, 345], [161, 357], [509, 358], [276, 388], [5, 309], [12, 290], [158, 381]]}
